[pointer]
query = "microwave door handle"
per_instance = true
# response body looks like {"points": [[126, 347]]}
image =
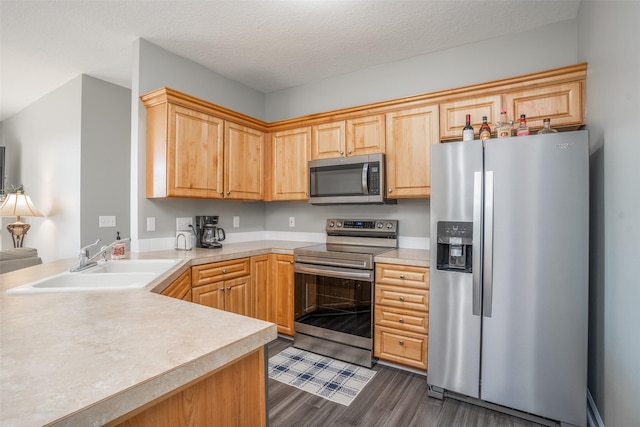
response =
{"points": [[365, 178]]}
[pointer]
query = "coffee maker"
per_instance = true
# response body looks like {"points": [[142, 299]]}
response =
{"points": [[208, 234]]}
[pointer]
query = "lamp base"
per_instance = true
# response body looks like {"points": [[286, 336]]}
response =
{"points": [[18, 230]]}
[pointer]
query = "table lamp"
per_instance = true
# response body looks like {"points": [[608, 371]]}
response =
{"points": [[18, 204]]}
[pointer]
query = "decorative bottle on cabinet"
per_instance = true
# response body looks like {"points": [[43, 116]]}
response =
{"points": [[523, 129], [485, 130], [546, 127], [467, 131], [504, 126]]}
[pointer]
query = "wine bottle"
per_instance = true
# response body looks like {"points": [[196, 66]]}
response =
{"points": [[485, 130], [523, 129], [467, 131]]}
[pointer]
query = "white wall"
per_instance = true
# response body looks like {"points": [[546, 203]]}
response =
{"points": [[608, 40]]}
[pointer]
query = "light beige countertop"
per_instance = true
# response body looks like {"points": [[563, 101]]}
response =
{"points": [[85, 358]]}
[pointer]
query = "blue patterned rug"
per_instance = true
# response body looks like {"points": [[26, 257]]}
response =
{"points": [[323, 376]]}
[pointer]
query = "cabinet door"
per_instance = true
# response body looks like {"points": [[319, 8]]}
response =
{"points": [[410, 134], [263, 308], [365, 135], [237, 295], [562, 103], [282, 280], [328, 140], [211, 295], [194, 154], [290, 151], [453, 115], [243, 163], [180, 288]]}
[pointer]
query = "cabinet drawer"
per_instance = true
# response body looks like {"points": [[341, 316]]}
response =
{"points": [[225, 270], [404, 298], [402, 275], [404, 320], [405, 348]]}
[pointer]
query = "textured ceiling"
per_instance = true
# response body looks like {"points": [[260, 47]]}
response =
{"points": [[267, 45]]}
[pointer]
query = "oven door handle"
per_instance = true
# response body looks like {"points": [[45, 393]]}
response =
{"points": [[341, 273]]}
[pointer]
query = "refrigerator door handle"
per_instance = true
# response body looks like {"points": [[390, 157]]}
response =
{"points": [[488, 241], [476, 247]]}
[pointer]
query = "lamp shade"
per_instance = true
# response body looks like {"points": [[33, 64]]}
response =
{"points": [[18, 204]]}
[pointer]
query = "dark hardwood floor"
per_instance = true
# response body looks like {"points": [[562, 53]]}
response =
{"points": [[393, 398]]}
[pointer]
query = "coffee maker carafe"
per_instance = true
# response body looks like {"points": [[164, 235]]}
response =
{"points": [[208, 234]]}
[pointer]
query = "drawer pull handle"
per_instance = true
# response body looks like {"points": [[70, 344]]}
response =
{"points": [[402, 276], [224, 271], [401, 342], [401, 320], [401, 298]]}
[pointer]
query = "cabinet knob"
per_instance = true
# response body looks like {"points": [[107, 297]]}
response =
{"points": [[222, 289], [390, 190], [401, 298], [291, 262], [228, 192], [224, 271], [228, 288], [401, 320], [402, 276], [222, 192], [349, 151], [401, 342]]}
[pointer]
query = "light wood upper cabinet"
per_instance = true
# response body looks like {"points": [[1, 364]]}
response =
{"points": [[290, 152], [184, 153], [243, 163], [563, 103], [410, 134], [352, 137], [453, 114]]}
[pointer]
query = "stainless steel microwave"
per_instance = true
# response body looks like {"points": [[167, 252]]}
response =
{"points": [[348, 180]]}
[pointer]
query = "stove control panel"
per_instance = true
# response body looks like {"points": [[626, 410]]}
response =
{"points": [[366, 226]]}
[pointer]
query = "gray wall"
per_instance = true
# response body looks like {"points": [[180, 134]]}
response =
{"points": [[608, 36], [154, 67], [46, 138], [105, 166]]}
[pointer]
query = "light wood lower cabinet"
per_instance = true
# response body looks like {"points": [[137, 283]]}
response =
{"points": [[234, 395], [180, 288], [223, 285], [272, 280], [401, 315]]}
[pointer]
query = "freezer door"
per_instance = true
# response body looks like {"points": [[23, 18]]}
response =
{"points": [[454, 330], [534, 342]]}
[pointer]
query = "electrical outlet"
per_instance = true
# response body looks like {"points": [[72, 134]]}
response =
{"points": [[292, 221], [182, 224], [236, 221], [106, 221], [151, 223]]}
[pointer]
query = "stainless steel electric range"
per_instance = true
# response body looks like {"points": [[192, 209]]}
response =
{"points": [[333, 289]]}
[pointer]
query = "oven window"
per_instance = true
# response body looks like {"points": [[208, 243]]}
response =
{"points": [[342, 305]]}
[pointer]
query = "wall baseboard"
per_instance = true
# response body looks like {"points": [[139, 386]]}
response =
{"points": [[593, 416]]}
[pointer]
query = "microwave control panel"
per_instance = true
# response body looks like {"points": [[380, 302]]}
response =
{"points": [[374, 178]]}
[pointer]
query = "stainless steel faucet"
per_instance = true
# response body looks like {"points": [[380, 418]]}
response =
{"points": [[87, 262]]}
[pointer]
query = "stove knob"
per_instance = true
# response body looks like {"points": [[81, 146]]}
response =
{"points": [[339, 224], [389, 225], [332, 224], [379, 225]]}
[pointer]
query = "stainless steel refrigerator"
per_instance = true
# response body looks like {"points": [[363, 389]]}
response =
{"points": [[509, 273]]}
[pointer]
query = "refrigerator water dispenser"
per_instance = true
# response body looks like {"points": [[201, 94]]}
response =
{"points": [[454, 246]]}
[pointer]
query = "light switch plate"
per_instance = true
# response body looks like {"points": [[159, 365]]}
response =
{"points": [[151, 223], [106, 221], [236, 221]]}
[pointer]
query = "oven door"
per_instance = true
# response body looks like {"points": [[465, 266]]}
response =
{"points": [[334, 304]]}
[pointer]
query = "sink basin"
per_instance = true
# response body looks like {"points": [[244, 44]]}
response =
{"points": [[156, 266], [111, 275]]}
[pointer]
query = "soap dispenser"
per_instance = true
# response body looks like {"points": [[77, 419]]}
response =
{"points": [[118, 248]]}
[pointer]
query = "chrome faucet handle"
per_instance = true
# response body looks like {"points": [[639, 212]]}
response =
{"points": [[85, 249]]}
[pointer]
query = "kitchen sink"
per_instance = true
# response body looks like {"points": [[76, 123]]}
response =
{"points": [[110, 275]]}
